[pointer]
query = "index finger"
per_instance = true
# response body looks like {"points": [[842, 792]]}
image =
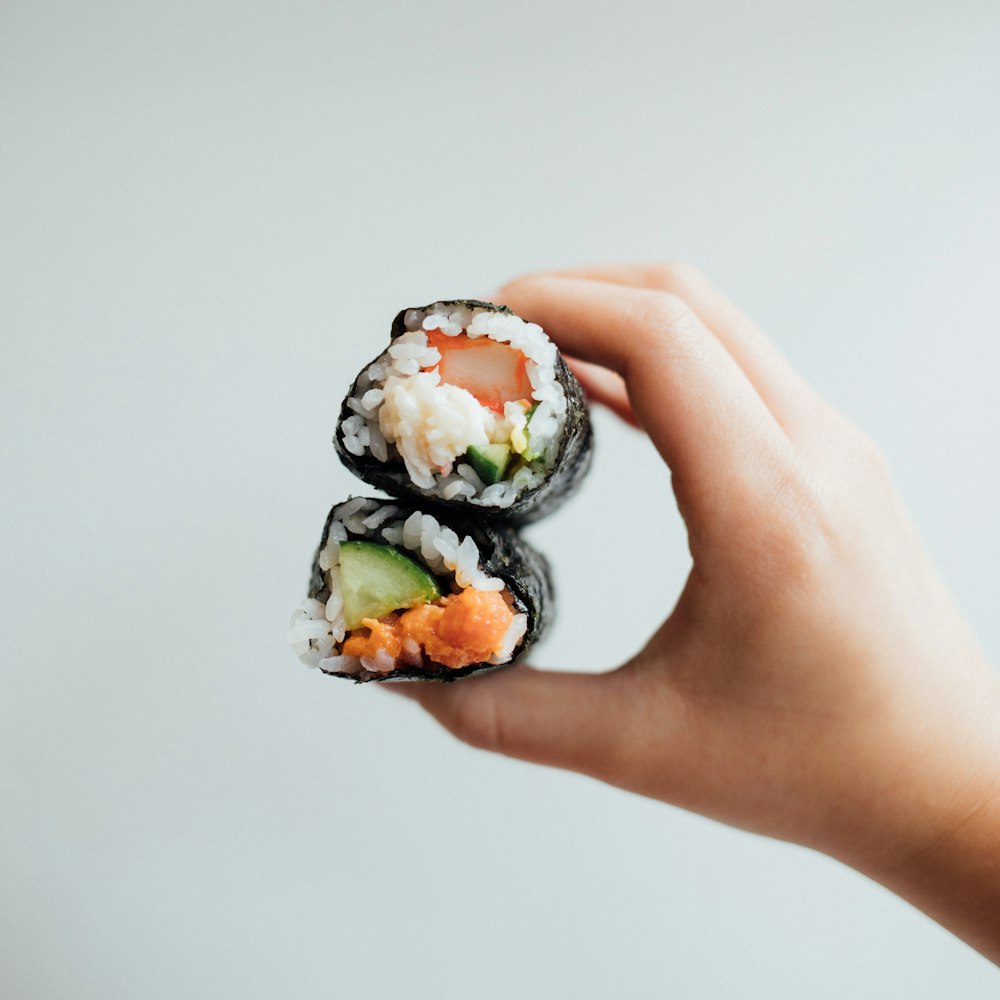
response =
{"points": [[785, 392], [698, 407]]}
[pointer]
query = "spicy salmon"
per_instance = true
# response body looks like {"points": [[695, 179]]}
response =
{"points": [[468, 627]]}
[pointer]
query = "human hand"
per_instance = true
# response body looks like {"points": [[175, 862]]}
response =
{"points": [[814, 681]]}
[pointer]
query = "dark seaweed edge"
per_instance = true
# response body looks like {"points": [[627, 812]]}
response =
{"points": [[502, 553], [571, 465]]}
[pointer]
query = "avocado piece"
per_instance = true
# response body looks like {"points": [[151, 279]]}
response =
{"points": [[376, 579], [490, 461], [529, 454]]}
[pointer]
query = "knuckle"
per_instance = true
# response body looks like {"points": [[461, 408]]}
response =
{"points": [[852, 461], [868, 456], [665, 320], [786, 535], [666, 310], [672, 275], [840, 438], [519, 284], [804, 524]]}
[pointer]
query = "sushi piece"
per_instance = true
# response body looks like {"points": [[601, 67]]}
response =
{"points": [[397, 593], [470, 407]]}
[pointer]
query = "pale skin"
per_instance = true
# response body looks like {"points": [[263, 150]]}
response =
{"points": [[814, 681]]}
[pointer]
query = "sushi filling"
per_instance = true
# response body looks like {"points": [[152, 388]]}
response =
{"points": [[467, 399], [382, 610]]}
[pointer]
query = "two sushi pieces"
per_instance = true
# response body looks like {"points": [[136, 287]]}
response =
{"points": [[473, 421]]}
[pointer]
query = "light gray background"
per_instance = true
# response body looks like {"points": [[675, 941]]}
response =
{"points": [[210, 214]]}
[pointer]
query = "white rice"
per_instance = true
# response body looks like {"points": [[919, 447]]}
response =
{"points": [[402, 412], [316, 630]]}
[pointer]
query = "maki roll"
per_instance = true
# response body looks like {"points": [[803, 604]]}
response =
{"points": [[471, 407], [397, 593]]}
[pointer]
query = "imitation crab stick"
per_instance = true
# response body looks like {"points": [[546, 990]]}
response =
{"points": [[494, 373]]}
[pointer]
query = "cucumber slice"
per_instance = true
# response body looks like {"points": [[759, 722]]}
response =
{"points": [[376, 579], [490, 461]]}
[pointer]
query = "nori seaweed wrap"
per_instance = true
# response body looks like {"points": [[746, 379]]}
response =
{"points": [[397, 592], [470, 408]]}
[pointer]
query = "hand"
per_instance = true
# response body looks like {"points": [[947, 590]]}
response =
{"points": [[814, 681]]}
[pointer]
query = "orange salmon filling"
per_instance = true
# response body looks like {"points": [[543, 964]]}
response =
{"points": [[494, 373], [464, 628]]}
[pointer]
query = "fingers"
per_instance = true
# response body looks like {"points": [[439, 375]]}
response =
{"points": [[784, 391], [574, 721], [604, 387], [699, 408]]}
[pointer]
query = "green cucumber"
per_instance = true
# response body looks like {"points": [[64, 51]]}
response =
{"points": [[376, 579], [490, 461]]}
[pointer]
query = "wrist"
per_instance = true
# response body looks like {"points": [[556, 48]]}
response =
{"points": [[935, 831]]}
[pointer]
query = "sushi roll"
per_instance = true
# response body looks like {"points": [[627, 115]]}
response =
{"points": [[397, 593], [469, 407]]}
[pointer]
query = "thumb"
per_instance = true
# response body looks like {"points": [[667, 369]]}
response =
{"points": [[570, 720]]}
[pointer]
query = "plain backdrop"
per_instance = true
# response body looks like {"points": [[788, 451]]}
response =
{"points": [[209, 214]]}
